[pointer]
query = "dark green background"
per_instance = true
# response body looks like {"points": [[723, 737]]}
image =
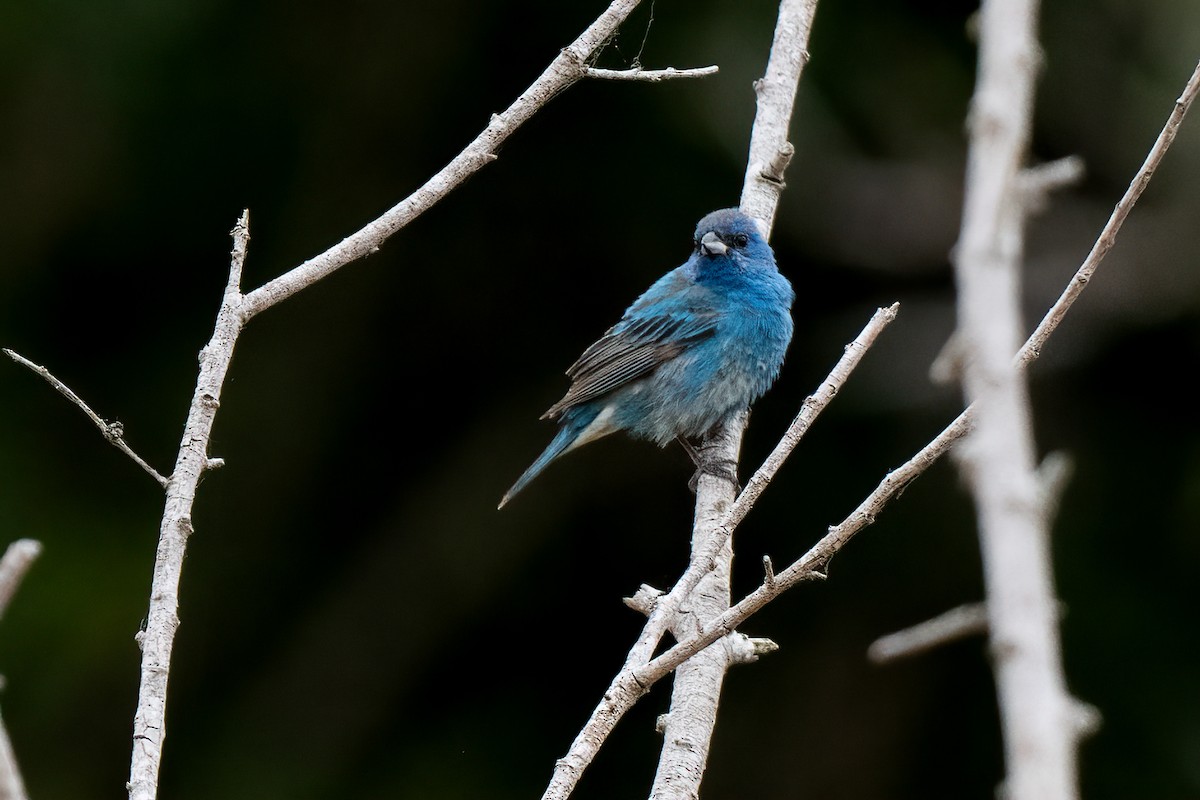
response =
{"points": [[357, 619]]}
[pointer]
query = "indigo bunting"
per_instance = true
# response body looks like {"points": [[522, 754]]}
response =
{"points": [[702, 343]]}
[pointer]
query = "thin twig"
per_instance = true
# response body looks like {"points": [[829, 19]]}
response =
{"points": [[650, 75], [958, 623], [113, 431]]}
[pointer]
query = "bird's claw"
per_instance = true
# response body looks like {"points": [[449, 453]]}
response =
{"points": [[725, 468]]}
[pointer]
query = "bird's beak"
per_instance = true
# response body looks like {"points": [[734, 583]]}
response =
{"points": [[712, 245]]}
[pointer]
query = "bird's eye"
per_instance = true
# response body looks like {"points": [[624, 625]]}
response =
{"points": [[739, 240]]}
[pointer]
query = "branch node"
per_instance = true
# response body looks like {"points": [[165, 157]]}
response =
{"points": [[644, 600], [743, 649], [660, 723], [575, 63], [113, 431], [213, 463], [769, 570], [772, 172]]}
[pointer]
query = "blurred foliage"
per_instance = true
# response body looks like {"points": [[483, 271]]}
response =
{"points": [[358, 620]]}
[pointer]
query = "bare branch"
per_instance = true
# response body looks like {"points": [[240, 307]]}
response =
{"points": [[770, 150], [998, 459], [650, 75], [112, 431], [957, 623]]}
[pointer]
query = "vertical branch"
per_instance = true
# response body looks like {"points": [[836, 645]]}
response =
{"points": [[18, 558], [998, 456], [697, 687], [770, 151], [157, 640], [696, 692]]}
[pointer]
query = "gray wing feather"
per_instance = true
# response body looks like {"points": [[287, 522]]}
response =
{"points": [[628, 351]]}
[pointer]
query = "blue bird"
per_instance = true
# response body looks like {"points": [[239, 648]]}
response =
{"points": [[705, 341]]}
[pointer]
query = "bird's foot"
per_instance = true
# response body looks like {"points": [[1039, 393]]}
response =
{"points": [[721, 468], [724, 468]]}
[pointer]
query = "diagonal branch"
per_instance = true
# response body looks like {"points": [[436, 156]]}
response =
{"points": [[114, 432]]}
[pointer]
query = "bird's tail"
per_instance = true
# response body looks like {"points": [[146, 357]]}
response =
{"points": [[574, 432]]}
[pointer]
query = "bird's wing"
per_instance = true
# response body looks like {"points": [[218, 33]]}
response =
{"points": [[632, 348]]}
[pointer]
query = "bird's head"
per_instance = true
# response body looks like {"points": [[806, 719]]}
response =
{"points": [[729, 234]]}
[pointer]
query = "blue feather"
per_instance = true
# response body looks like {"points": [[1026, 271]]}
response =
{"points": [[702, 343]]}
